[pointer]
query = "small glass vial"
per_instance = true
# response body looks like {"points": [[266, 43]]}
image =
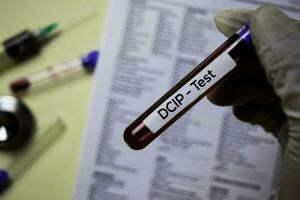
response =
{"points": [[188, 91]]}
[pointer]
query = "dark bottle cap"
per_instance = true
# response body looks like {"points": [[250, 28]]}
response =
{"points": [[22, 45]]}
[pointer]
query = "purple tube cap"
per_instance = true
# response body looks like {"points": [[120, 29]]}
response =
{"points": [[245, 34], [4, 179], [89, 61]]}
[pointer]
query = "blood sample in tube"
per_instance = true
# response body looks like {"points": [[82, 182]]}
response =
{"points": [[188, 91]]}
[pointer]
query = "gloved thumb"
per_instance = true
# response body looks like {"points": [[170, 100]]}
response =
{"points": [[276, 39]]}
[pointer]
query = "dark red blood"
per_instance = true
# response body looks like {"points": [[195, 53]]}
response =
{"points": [[19, 85]]}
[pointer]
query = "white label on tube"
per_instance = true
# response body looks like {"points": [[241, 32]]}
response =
{"points": [[189, 92]]}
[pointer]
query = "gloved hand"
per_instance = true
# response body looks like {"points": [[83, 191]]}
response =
{"points": [[265, 90]]}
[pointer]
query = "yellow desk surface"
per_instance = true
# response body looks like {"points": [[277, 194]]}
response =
{"points": [[53, 175]]}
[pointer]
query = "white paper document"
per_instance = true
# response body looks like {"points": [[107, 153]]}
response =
{"points": [[207, 154]]}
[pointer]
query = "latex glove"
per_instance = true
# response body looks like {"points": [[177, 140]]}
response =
{"points": [[266, 90]]}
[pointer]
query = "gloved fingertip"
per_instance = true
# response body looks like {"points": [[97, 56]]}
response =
{"points": [[217, 97], [231, 20], [222, 26]]}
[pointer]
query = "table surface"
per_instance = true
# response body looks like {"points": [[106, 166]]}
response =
{"points": [[53, 174]]}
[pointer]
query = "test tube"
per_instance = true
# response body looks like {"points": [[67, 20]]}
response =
{"points": [[22, 85], [188, 91], [16, 169]]}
